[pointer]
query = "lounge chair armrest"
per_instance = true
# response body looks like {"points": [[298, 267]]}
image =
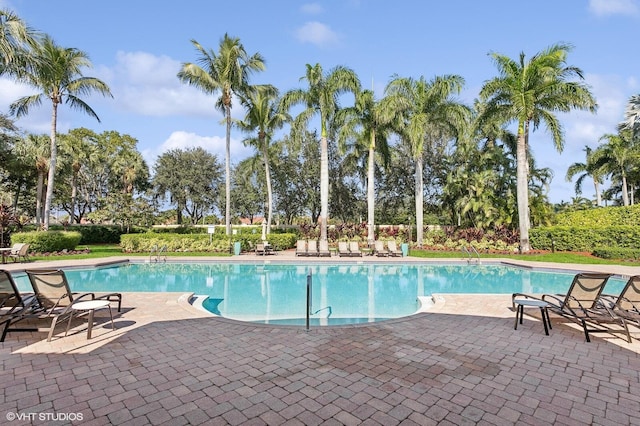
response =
{"points": [[78, 297], [515, 296]]}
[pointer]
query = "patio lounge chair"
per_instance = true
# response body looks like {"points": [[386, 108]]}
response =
{"points": [[19, 251], [301, 248], [354, 249], [582, 305], [13, 305], [393, 248], [323, 249], [627, 303], [312, 248], [380, 250], [54, 297], [343, 249]]}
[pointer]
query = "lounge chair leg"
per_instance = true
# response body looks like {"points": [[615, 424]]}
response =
{"points": [[586, 332], [53, 326]]}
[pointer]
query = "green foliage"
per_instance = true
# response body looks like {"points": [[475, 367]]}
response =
{"points": [[566, 238], [601, 217], [48, 241], [617, 253], [141, 243]]}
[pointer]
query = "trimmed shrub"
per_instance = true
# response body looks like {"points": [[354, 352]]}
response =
{"points": [[600, 217], [617, 253], [48, 241], [565, 238], [220, 243]]}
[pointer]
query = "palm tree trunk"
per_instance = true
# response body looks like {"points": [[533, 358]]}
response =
{"points": [[522, 188], [598, 195], [419, 202], [39, 187], [74, 196], [324, 186], [227, 168], [625, 191], [371, 191], [267, 171], [52, 167]]}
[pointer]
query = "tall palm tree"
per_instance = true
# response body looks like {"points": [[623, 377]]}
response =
{"points": [[16, 40], [617, 156], [78, 146], [431, 116], [588, 169], [36, 149], [57, 73], [369, 123], [322, 98], [264, 117], [528, 93], [226, 71]]}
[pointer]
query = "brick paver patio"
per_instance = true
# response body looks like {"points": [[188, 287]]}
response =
{"points": [[461, 363]]}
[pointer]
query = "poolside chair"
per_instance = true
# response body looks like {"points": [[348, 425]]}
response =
{"points": [[13, 305], [323, 249], [380, 250], [54, 297], [312, 248], [393, 248], [261, 249], [301, 248], [627, 303], [581, 304], [354, 249], [343, 249], [20, 251]]}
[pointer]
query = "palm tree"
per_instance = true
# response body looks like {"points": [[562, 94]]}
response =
{"points": [[528, 93], [617, 156], [16, 40], [632, 116], [78, 146], [431, 116], [264, 117], [227, 71], [589, 168], [35, 149], [368, 122], [57, 73], [321, 97]]}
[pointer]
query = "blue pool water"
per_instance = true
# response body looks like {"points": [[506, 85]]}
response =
{"points": [[341, 294]]}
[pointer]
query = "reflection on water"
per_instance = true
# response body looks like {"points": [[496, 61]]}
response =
{"points": [[354, 293]]}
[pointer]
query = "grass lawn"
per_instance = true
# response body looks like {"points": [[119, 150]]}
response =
{"points": [[108, 250], [558, 257]]}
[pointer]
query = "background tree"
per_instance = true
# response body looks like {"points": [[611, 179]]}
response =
{"points": [[34, 150], [616, 157], [57, 73], [587, 169], [189, 179], [528, 93], [632, 116], [247, 194], [321, 98], [264, 118], [367, 125], [431, 116], [227, 71]]}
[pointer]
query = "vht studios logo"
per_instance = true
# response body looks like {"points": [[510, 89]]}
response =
{"points": [[45, 417]]}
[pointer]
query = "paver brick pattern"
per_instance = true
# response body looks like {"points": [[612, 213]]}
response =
{"points": [[166, 364]]}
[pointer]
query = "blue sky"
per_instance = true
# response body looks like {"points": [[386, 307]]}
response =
{"points": [[137, 48]]}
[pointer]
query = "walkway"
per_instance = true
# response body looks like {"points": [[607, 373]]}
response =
{"points": [[461, 363]]}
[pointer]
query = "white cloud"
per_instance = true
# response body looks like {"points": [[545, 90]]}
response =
{"points": [[312, 8], [614, 7], [317, 33], [213, 144], [146, 84]]}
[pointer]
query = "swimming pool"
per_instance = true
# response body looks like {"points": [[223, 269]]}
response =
{"points": [[342, 293]]}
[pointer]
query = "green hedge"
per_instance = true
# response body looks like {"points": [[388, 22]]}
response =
{"points": [[566, 238], [48, 241], [143, 243], [617, 253], [600, 217]]}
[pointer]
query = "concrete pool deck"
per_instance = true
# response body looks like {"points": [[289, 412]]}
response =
{"points": [[460, 363]]}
